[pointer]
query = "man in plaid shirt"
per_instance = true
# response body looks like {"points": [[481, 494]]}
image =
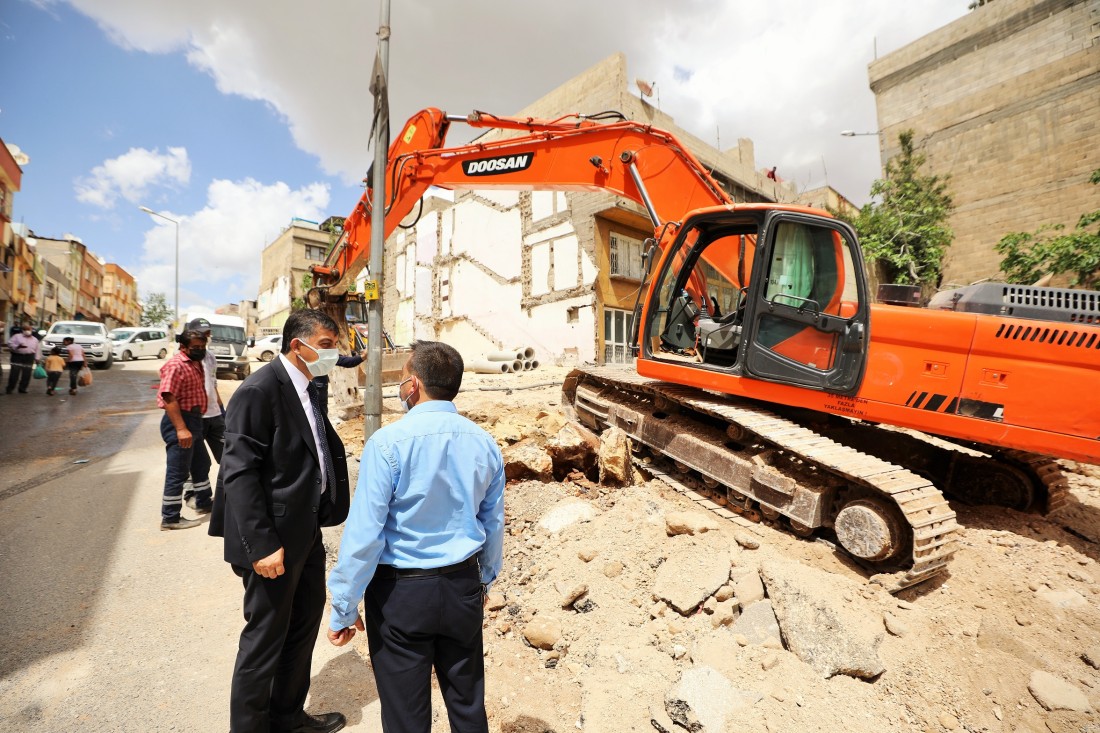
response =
{"points": [[182, 396]]}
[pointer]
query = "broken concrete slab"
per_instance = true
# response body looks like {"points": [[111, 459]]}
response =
{"points": [[825, 631], [757, 623], [689, 576], [704, 700], [566, 513], [1054, 693], [690, 523]]}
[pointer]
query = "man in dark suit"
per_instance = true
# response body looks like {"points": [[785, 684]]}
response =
{"points": [[283, 476]]}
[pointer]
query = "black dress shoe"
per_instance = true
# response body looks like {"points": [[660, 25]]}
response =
{"points": [[323, 723]]}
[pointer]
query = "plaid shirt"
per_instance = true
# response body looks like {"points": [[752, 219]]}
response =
{"points": [[185, 381]]}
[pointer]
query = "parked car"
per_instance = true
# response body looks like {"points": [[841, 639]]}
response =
{"points": [[266, 348], [134, 343], [92, 336]]}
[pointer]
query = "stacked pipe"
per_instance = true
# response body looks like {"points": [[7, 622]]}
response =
{"points": [[519, 359]]}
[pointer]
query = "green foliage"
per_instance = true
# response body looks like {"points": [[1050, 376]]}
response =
{"points": [[905, 231], [155, 310], [1050, 249], [298, 302]]}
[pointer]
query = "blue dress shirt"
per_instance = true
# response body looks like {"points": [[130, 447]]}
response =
{"points": [[430, 494]]}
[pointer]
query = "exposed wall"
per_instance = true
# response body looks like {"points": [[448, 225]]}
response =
{"points": [[1006, 101]]}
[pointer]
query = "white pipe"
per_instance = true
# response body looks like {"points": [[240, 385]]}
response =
{"points": [[525, 352], [503, 356], [526, 365], [484, 366], [534, 364], [517, 366]]}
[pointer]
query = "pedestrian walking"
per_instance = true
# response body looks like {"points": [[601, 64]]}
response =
{"points": [[55, 365], [213, 420], [182, 396], [424, 541], [284, 476], [74, 361], [24, 348]]}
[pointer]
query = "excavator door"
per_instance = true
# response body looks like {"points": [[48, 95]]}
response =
{"points": [[806, 313]]}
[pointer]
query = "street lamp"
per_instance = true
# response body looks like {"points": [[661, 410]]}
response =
{"points": [[147, 210], [853, 133]]}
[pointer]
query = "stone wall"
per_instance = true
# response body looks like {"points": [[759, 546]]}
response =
{"points": [[1007, 101]]}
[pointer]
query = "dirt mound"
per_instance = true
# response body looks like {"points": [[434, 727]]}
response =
{"points": [[643, 620]]}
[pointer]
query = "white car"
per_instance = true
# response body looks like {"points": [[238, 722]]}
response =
{"points": [[266, 348], [134, 343], [91, 335]]}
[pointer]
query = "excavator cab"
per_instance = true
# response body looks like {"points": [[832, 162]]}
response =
{"points": [[779, 296]]}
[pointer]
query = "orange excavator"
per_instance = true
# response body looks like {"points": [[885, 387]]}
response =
{"points": [[765, 377]]}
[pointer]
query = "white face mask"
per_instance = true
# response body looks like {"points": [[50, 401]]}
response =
{"points": [[326, 360]]}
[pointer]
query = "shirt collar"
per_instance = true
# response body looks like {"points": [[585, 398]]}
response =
{"points": [[434, 406], [301, 384]]}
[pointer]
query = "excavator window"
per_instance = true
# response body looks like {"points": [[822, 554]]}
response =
{"points": [[700, 297], [810, 293]]}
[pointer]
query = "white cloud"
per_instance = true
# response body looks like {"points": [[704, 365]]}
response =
{"points": [[789, 75], [220, 245], [132, 175]]}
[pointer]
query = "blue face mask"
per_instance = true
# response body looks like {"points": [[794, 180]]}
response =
{"points": [[405, 406]]}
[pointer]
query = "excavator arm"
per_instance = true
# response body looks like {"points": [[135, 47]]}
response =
{"points": [[572, 153]]}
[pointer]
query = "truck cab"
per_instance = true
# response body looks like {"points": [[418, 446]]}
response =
{"points": [[228, 343]]}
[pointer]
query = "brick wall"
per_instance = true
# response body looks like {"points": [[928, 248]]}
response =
{"points": [[1007, 101]]}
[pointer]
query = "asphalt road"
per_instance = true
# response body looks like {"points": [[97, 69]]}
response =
{"points": [[108, 623]]}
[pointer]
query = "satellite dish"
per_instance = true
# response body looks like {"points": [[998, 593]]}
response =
{"points": [[21, 158], [644, 87]]}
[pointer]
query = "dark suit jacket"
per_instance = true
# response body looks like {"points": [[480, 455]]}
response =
{"points": [[269, 485]]}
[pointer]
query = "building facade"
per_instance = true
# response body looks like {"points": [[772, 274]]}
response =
{"points": [[118, 302], [284, 271], [1005, 101], [11, 179], [559, 271]]}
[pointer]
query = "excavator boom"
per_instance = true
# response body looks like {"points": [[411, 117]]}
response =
{"points": [[574, 153]]}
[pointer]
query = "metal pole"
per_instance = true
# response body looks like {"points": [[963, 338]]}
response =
{"points": [[372, 397], [177, 324]]}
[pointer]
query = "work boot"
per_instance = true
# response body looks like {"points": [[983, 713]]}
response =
{"points": [[180, 523]]}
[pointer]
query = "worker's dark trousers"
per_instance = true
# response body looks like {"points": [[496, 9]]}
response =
{"points": [[21, 367], [415, 624]]}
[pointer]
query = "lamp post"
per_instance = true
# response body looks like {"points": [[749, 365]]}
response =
{"points": [[853, 133], [149, 211]]}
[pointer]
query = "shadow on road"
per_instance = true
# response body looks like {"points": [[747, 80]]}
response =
{"points": [[346, 685], [53, 564]]}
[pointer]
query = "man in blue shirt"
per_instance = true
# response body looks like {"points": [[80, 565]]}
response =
{"points": [[424, 540]]}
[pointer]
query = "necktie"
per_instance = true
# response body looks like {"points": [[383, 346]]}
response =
{"points": [[322, 438]]}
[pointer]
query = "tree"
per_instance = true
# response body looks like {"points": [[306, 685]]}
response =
{"points": [[155, 311], [1028, 256], [906, 231], [299, 302]]}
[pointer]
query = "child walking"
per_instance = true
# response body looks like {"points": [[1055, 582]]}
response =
{"points": [[55, 365]]}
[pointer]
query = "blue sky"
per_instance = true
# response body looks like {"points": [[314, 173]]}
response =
{"points": [[235, 116]]}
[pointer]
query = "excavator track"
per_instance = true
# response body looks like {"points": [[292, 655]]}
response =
{"points": [[973, 473], [752, 460]]}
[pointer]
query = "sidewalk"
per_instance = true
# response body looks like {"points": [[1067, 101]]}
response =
{"points": [[114, 625]]}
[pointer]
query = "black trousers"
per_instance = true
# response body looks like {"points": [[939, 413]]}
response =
{"points": [[282, 618], [415, 625], [21, 367]]}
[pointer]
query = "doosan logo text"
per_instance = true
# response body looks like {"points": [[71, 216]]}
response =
{"points": [[503, 164]]}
